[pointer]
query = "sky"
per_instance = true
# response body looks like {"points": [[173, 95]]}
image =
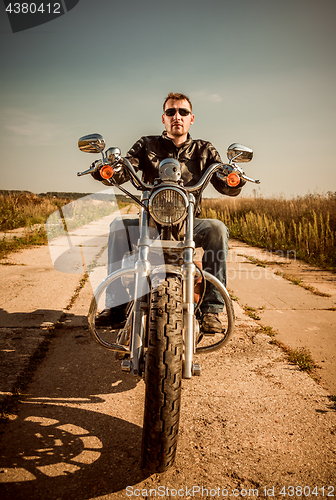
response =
{"points": [[258, 72]]}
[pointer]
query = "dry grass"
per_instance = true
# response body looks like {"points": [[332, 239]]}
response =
{"points": [[21, 209], [301, 357], [303, 227], [33, 238], [299, 282], [24, 209]]}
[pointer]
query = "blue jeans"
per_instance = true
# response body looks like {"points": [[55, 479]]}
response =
{"points": [[210, 234]]}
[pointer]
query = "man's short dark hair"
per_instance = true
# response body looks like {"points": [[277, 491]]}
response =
{"points": [[176, 96]]}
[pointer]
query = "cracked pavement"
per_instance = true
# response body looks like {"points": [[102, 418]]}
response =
{"points": [[251, 421]]}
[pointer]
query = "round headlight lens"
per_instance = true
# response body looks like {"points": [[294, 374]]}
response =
{"points": [[168, 206]]}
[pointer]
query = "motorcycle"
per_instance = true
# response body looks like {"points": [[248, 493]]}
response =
{"points": [[161, 335]]}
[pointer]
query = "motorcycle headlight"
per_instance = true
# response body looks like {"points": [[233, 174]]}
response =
{"points": [[168, 206]]}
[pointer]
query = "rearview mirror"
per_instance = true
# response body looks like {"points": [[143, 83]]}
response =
{"points": [[239, 153], [92, 143]]}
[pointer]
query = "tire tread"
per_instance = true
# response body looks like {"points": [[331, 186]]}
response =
{"points": [[163, 376]]}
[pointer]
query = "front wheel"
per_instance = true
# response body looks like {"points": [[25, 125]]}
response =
{"points": [[163, 375]]}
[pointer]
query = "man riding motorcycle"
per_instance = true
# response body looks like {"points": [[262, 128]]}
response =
{"points": [[195, 156]]}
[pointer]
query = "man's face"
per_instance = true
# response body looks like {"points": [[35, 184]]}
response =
{"points": [[177, 125]]}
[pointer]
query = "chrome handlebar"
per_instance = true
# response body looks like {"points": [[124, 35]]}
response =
{"points": [[249, 179], [88, 171], [223, 168]]}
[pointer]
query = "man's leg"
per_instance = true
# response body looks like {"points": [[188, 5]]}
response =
{"points": [[124, 233], [213, 236]]}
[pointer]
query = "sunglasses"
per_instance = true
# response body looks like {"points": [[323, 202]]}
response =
{"points": [[181, 111]]}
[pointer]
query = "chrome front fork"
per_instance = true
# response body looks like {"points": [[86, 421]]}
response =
{"points": [[141, 288], [188, 273], [142, 271]]}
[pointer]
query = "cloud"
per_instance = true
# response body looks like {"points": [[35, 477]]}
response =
{"points": [[28, 127], [215, 98], [205, 95]]}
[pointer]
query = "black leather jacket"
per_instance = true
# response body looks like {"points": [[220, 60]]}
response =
{"points": [[195, 157]]}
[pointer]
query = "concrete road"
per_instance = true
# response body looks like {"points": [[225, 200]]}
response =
{"points": [[302, 318], [252, 424]]}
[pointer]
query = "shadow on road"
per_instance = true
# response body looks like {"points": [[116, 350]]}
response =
{"points": [[70, 453], [54, 449], [33, 319]]}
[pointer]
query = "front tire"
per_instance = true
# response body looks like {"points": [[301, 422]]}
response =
{"points": [[163, 375]]}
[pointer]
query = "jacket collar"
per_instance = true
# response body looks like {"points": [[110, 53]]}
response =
{"points": [[186, 143]]}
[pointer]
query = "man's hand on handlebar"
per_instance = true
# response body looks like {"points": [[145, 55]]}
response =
{"points": [[96, 173]]}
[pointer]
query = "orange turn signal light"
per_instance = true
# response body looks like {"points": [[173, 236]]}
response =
{"points": [[106, 172], [233, 179]]}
